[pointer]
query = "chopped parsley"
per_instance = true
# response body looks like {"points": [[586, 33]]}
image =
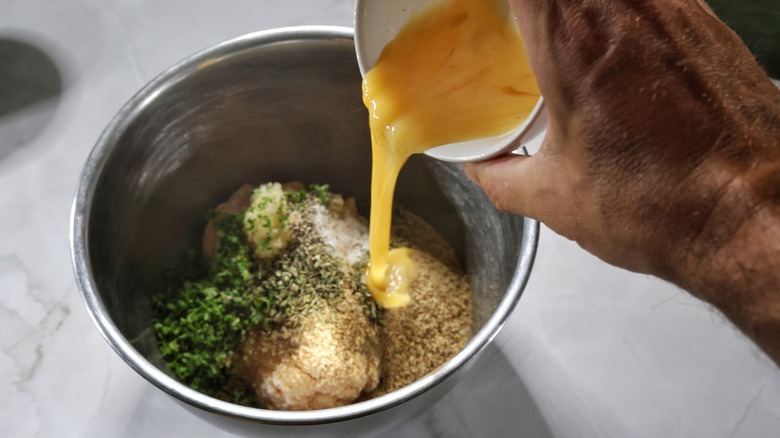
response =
{"points": [[320, 191], [205, 310]]}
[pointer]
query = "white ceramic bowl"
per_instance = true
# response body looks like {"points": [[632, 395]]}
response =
{"points": [[378, 21]]}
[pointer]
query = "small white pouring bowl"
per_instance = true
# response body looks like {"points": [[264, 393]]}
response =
{"points": [[377, 22]]}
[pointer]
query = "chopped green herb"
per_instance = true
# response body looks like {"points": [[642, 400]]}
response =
{"points": [[321, 191], [296, 196], [204, 311]]}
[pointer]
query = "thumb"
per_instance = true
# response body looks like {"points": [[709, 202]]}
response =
{"points": [[512, 182]]}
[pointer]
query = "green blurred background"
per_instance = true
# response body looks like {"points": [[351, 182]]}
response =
{"points": [[757, 22]]}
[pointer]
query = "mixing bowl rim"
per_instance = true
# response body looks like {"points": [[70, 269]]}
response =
{"points": [[80, 257]]}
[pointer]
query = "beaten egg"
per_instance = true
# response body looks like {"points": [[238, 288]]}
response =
{"points": [[457, 71]]}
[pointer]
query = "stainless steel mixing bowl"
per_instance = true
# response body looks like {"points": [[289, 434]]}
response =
{"points": [[280, 105]]}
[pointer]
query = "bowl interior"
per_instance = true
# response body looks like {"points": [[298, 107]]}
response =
{"points": [[256, 111]]}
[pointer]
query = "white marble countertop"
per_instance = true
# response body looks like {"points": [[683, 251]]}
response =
{"points": [[590, 351]]}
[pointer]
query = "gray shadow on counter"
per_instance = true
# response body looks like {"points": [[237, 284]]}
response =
{"points": [[31, 85], [490, 400]]}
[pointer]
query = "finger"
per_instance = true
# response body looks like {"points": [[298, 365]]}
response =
{"points": [[540, 187], [510, 182]]}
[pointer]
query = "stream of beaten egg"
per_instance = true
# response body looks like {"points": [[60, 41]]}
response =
{"points": [[457, 71]]}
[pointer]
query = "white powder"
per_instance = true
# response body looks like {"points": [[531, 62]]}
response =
{"points": [[346, 232]]}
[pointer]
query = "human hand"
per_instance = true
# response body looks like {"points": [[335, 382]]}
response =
{"points": [[658, 114], [663, 150]]}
